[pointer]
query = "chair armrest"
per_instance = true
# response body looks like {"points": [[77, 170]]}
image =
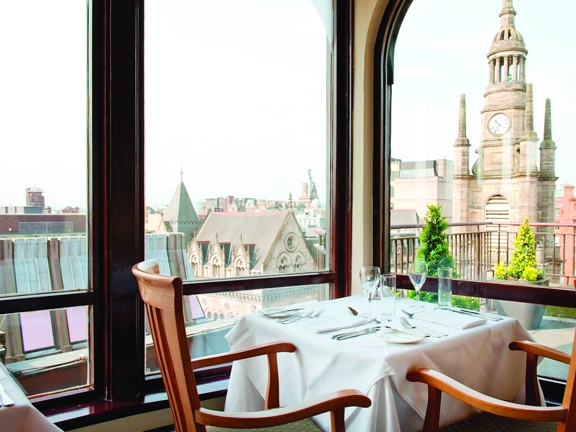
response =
{"points": [[533, 350], [272, 399], [540, 350], [264, 349], [334, 403], [438, 382]]}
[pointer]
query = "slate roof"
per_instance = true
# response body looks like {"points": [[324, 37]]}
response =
{"points": [[403, 217], [180, 208], [261, 229]]}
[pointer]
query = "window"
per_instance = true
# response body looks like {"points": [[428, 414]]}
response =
{"points": [[94, 309], [239, 147], [469, 128], [44, 183]]}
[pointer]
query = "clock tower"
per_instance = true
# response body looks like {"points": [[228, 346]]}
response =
{"points": [[505, 183]]}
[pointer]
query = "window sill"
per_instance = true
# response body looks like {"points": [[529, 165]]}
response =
{"points": [[92, 412]]}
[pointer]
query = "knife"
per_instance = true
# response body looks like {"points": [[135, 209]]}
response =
{"points": [[4, 398], [478, 314], [349, 335]]}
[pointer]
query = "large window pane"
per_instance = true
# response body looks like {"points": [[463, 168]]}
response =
{"points": [[43, 184], [238, 149], [236, 132], [472, 131]]}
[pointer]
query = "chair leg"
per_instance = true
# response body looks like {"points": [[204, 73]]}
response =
{"points": [[432, 420], [337, 420]]}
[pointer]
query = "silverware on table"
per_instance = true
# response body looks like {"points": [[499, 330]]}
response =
{"points": [[353, 334], [317, 314], [297, 317], [425, 330], [4, 398], [411, 314], [490, 317]]}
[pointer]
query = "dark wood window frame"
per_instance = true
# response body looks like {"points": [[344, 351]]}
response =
{"points": [[116, 222]]}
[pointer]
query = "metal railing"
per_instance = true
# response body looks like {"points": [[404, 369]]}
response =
{"points": [[478, 247]]}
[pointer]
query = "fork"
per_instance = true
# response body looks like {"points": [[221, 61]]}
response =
{"points": [[424, 330], [317, 314], [296, 318]]}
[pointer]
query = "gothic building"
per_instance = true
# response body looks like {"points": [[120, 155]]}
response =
{"points": [[506, 182], [249, 243]]}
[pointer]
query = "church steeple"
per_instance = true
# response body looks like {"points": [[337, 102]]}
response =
{"points": [[180, 216], [507, 55]]}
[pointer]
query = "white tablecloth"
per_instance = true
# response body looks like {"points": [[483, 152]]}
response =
{"points": [[478, 357], [22, 416]]}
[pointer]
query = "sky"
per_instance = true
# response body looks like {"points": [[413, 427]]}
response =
{"points": [[235, 103], [433, 67]]}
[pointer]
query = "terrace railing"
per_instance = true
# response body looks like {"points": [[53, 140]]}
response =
{"points": [[479, 247]]}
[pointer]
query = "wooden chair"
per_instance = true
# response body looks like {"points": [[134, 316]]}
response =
{"points": [[502, 415], [162, 296]]}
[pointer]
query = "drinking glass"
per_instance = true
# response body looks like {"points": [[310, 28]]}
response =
{"points": [[370, 278], [445, 288], [386, 296], [417, 272]]}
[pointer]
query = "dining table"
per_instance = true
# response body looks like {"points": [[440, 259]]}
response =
{"points": [[469, 347], [17, 414]]}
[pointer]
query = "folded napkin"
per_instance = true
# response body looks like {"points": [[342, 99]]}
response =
{"points": [[339, 322], [451, 319]]}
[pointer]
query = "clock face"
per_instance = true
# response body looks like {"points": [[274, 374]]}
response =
{"points": [[499, 124]]}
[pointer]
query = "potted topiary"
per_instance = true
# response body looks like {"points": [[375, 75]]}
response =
{"points": [[436, 252], [522, 269]]}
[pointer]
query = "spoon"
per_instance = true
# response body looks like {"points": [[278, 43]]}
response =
{"points": [[411, 314], [355, 313]]}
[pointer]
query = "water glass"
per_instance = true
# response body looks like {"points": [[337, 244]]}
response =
{"points": [[445, 288], [386, 302]]}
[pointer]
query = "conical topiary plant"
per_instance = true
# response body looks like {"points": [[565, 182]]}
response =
{"points": [[434, 249], [434, 242], [523, 263]]}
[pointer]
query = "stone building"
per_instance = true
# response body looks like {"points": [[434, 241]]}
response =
{"points": [[417, 184], [250, 243], [506, 182]]}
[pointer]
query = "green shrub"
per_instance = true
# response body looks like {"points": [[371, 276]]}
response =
{"points": [[501, 271], [523, 263], [463, 302], [530, 274], [434, 242]]}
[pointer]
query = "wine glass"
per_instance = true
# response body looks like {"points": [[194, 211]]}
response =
{"points": [[417, 271], [370, 278]]}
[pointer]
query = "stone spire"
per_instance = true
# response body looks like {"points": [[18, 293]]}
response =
{"points": [[528, 138], [462, 143], [528, 132], [548, 127], [547, 146], [462, 140], [507, 15]]}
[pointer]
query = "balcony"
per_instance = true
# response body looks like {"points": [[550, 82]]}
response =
{"points": [[478, 247]]}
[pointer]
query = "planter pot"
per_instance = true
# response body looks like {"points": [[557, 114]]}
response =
{"points": [[528, 314]]}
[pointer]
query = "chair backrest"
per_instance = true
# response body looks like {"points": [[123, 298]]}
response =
{"points": [[162, 296]]}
